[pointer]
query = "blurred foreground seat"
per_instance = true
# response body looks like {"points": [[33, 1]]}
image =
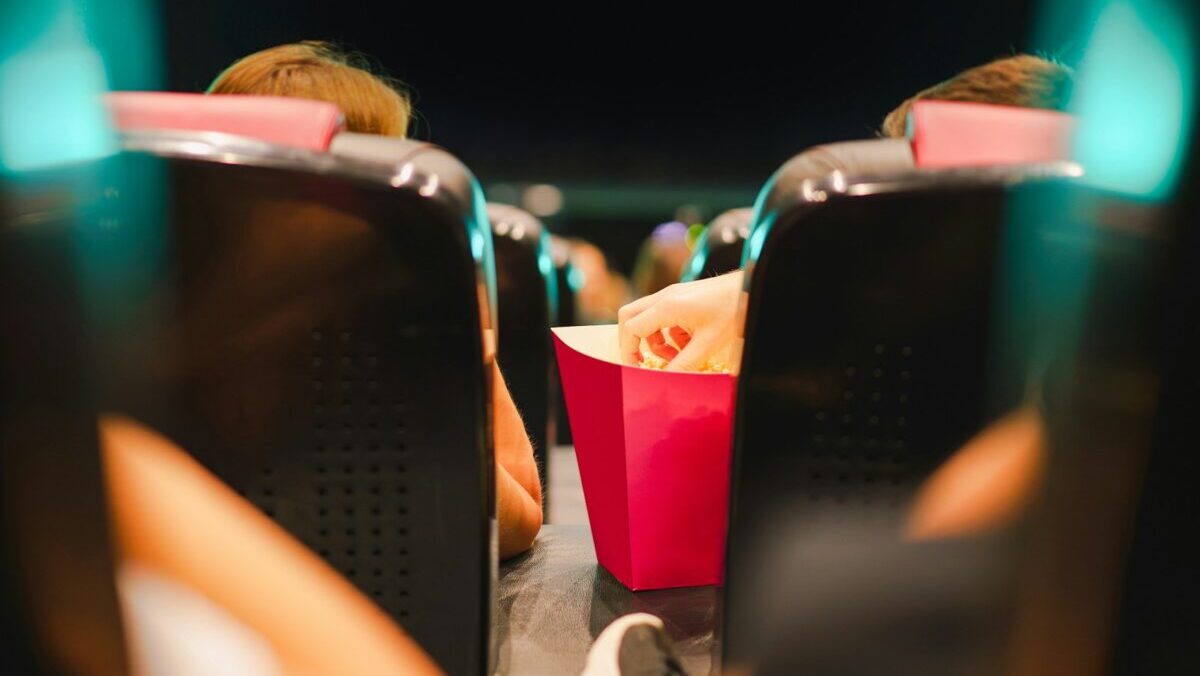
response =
{"points": [[59, 612]]}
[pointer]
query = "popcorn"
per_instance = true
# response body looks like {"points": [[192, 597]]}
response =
{"points": [[713, 366], [653, 361]]}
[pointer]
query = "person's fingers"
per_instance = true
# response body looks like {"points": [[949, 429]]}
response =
{"points": [[633, 309], [679, 336], [629, 341], [658, 345], [699, 348], [650, 321], [630, 345]]}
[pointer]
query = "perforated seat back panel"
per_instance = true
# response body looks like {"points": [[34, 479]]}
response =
{"points": [[864, 368], [315, 342]]}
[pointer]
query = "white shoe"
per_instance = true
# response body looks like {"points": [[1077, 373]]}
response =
{"points": [[633, 645]]}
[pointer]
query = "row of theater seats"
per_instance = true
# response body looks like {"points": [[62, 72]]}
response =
{"points": [[311, 316]]}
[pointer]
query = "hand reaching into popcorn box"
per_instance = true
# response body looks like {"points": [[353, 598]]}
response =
{"points": [[684, 327], [651, 408]]}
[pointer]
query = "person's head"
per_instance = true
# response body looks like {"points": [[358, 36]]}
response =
{"points": [[1023, 80], [372, 104], [603, 291], [661, 259]]}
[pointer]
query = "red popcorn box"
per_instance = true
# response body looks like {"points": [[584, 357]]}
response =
{"points": [[653, 449]]}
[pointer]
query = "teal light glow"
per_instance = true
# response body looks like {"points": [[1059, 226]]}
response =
{"points": [[479, 233], [576, 279], [546, 268], [696, 264], [128, 37], [545, 265], [1134, 99], [758, 237], [751, 250], [477, 244], [51, 113], [1045, 275]]}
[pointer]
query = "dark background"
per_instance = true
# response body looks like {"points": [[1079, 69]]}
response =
{"points": [[649, 108]]}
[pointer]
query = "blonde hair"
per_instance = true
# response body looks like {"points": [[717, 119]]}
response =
{"points": [[372, 104], [1022, 80]]}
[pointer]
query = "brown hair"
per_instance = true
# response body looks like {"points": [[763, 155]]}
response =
{"points": [[372, 104], [1022, 80]]}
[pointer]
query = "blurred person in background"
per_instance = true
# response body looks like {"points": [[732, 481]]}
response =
{"points": [[603, 291], [375, 104], [699, 317], [661, 259], [1024, 80], [371, 103]]}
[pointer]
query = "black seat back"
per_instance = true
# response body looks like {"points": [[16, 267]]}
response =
{"points": [[526, 291], [566, 314], [312, 329], [1086, 293], [865, 357], [58, 605], [1158, 592], [1110, 578], [719, 249]]}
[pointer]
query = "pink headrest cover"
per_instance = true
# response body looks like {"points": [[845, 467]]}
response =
{"points": [[297, 123], [957, 134]]}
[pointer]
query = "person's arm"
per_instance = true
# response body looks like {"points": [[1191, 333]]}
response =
{"points": [[699, 317], [519, 516], [173, 517], [518, 487], [987, 483]]}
